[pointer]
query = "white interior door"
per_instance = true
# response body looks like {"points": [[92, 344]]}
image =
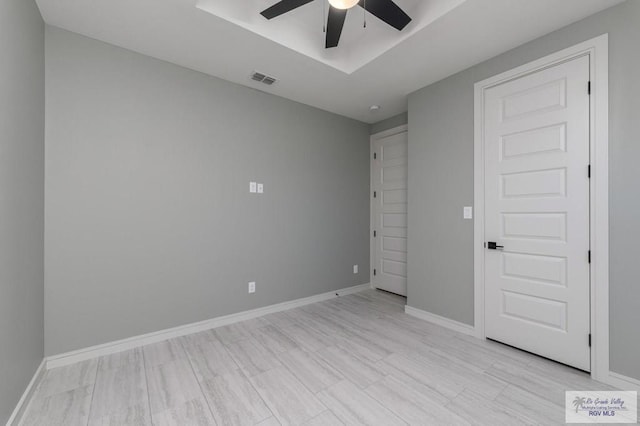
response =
{"points": [[536, 136], [389, 213]]}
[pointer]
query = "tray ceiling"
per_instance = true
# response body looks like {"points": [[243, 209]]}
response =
{"points": [[302, 29], [346, 80]]}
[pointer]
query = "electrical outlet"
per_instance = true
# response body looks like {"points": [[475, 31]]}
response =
{"points": [[252, 287], [252, 187], [260, 188], [467, 213], [355, 269]]}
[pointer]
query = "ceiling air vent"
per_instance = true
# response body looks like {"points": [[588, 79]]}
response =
{"points": [[262, 78]]}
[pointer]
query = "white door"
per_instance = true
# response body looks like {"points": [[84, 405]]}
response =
{"points": [[389, 213], [536, 136]]}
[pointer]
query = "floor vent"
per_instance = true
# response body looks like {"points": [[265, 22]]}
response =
{"points": [[263, 78]]}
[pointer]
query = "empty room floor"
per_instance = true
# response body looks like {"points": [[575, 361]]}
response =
{"points": [[357, 359]]}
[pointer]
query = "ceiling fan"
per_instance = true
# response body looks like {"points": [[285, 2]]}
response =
{"points": [[385, 10]]}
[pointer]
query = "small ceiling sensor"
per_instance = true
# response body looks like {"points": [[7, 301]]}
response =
{"points": [[374, 108]]}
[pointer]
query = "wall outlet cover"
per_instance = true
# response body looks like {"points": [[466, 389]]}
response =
{"points": [[355, 269], [260, 188], [252, 287], [468, 213], [252, 187]]}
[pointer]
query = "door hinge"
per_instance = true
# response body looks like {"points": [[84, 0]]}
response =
{"points": [[589, 171], [375, 156], [374, 272], [589, 256], [374, 234], [375, 194], [589, 339], [589, 88]]}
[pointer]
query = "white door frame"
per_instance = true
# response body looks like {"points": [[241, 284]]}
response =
{"points": [[372, 242], [597, 49]]}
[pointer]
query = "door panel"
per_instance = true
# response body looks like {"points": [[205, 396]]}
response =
{"points": [[536, 310], [389, 184], [536, 136], [534, 226], [529, 267]]}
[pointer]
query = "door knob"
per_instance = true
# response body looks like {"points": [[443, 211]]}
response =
{"points": [[491, 245]]}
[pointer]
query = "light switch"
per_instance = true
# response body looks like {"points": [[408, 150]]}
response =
{"points": [[260, 188], [468, 213], [252, 187], [355, 269]]}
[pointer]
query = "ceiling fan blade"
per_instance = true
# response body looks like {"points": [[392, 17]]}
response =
{"points": [[387, 11], [335, 22], [283, 7]]}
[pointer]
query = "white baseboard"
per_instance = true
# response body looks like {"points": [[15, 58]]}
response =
{"points": [[159, 336], [23, 403], [613, 379], [623, 382], [441, 321]]}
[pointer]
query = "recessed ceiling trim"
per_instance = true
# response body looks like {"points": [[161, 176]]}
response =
{"points": [[301, 29]]}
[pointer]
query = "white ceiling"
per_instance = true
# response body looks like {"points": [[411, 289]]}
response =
{"points": [[302, 28], [178, 32]]}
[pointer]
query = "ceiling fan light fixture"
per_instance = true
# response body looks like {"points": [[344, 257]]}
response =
{"points": [[343, 4]]}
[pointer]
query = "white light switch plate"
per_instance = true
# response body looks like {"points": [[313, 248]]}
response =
{"points": [[468, 213], [260, 188], [355, 269], [252, 287], [252, 187]]}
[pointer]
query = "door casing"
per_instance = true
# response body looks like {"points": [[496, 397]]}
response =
{"points": [[597, 49]]}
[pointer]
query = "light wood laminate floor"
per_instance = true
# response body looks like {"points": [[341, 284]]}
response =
{"points": [[357, 359]]}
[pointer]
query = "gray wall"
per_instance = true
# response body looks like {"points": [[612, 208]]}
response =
{"points": [[149, 220], [440, 264], [389, 123], [21, 198]]}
